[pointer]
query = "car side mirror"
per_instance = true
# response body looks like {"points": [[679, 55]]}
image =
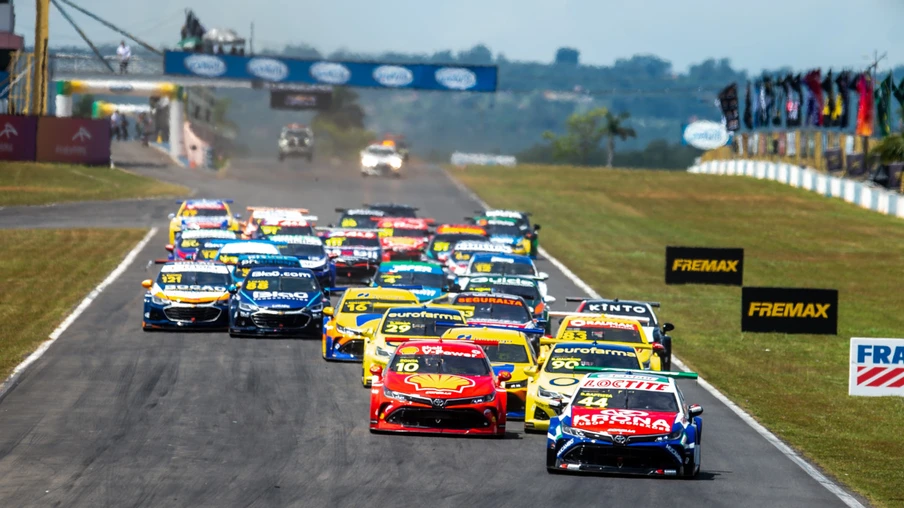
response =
{"points": [[170, 247], [376, 370], [667, 327], [172, 216], [147, 283], [446, 288], [558, 403], [530, 371], [542, 276], [549, 299], [536, 227], [504, 376], [695, 410], [238, 216], [328, 311], [233, 289], [368, 332], [239, 284]]}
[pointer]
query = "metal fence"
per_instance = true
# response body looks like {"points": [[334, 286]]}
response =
{"points": [[69, 64]]}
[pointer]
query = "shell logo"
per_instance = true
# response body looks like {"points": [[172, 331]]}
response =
{"points": [[409, 350], [439, 382]]}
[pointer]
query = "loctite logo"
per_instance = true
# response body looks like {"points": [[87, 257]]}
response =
{"points": [[789, 310], [705, 265]]}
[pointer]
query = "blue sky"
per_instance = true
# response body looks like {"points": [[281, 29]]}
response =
{"points": [[755, 34]]}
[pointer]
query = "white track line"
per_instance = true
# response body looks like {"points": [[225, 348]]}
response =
{"points": [[20, 369], [811, 470]]}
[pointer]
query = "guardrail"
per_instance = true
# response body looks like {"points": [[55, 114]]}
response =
{"points": [[862, 194], [63, 63]]}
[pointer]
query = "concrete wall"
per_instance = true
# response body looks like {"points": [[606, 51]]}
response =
{"points": [[197, 157], [872, 198]]}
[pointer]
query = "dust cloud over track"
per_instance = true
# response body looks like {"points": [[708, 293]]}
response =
{"points": [[113, 416]]}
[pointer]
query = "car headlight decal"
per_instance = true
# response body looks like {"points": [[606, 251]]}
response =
{"points": [[159, 300], [248, 307]]}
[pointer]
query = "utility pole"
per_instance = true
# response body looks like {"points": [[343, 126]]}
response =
{"points": [[251, 40], [39, 90]]}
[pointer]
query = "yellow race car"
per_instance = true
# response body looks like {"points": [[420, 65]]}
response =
{"points": [[601, 328], [557, 375], [509, 350], [357, 309], [401, 324], [202, 214]]}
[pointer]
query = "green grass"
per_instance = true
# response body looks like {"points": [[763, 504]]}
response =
{"points": [[611, 227], [28, 183], [39, 286]]}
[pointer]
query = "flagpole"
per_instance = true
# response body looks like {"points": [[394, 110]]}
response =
{"points": [[872, 69]]}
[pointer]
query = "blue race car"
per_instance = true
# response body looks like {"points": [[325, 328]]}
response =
{"points": [[309, 249], [248, 261], [626, 422], [277, 301], [187, 295], [191, 241], [426, 280]]}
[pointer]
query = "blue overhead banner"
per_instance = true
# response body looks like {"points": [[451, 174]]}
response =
{"points": [[455, 78]]}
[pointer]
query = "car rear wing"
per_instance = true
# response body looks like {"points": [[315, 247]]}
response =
{"points": [[663, 373], [528, 331], [302, 211], [408, 288], [579, 299], [599, 314]]}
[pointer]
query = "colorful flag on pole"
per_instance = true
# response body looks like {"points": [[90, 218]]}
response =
{"points": [[883, 103], [865, 108]]}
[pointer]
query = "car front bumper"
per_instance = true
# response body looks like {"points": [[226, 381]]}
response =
{"points": [[176, 316]]}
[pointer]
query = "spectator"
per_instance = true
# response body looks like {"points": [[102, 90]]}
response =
{"points": [[125, 128], [234, 50], [114, 124], [124, 53]]}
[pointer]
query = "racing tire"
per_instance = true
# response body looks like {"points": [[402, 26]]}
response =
{"points": [[695, 468]]}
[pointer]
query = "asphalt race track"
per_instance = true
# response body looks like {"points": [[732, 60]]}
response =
{"points": [[113, 416]]}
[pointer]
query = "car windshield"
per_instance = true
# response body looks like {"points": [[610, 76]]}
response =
{"points": [[602, 334], [502, 268], [243, 267], [613, 398], [402, 212], [529, 293], [380, 150], [442, 243], [508, 229], [357, 221], [268, 230], [295, 133], [488, 307], [344, 241], [439, 364], [416, 325], [187, 279], [501, 352], [194, 243], [410, 233], [565, 358], [203, 212], [301, 250], [434, 280], [289, 282], [369, 306]]}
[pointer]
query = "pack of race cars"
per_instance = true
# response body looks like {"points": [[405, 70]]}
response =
{"points": [[451, 324]]}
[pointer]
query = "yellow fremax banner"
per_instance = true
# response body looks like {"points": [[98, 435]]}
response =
{"points": [[132, 89]]}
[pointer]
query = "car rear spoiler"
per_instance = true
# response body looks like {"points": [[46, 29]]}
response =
{"points": [[412, 288], [598, 314], [579, 299], [663, 373], [500, 327], [303, 211]]}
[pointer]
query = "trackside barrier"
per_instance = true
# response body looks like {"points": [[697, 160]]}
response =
{"points": [[482, 159], [872, 198], [53, 139]]}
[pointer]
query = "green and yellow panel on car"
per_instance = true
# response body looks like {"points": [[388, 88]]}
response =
{"points": [[358, 309]]}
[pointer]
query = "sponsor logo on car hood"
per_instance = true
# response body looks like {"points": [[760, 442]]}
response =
{"points": [[185, 293], [282, 299], [440, 385], [629, 422]]}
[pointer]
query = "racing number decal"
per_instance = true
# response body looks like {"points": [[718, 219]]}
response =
{"points": [[564, 364], [188, 213], [462, 256], [385, 232], [407, 366], [348, 223], [600, 401], [356, 306], [269, 230], [228, 260], [258, 284], [208, 254], [574, 335], [245, 271], [171, 278], [390, 278], [469, 312], [483, 267], [397, 327], [334, 242], [440, 246], [191, 242]]}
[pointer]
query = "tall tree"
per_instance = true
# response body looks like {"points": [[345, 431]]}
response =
{"points": [[582, 138], [614, 128], [83, 107], [568, 56]]}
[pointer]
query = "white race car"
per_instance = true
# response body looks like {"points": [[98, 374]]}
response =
{"points": [[378, 160]]}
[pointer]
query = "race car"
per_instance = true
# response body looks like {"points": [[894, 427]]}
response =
{"points": [[396, 210], [260, 213], [312, 254], [397, 141], [358, 218], [187, 295], [460, 254], [189, 242], [271, 227], [425, 280], [401, 324], [631, 309], [521, 220], [246, 262], [277, 301], [357, 309], [438, 386], [526, 288], [509, 351], [230, 252], [380, 160], [202, 214], [210, 248], [357, 253], [557, 375], [487, 263], [404, 239], [627, 422], [296, 141], [602, 328], [499, 310], [437, 251], [508, 232]]}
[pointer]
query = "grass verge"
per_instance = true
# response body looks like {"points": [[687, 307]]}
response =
{"points": [[611, 227], [41, 285], [29, 183]]}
